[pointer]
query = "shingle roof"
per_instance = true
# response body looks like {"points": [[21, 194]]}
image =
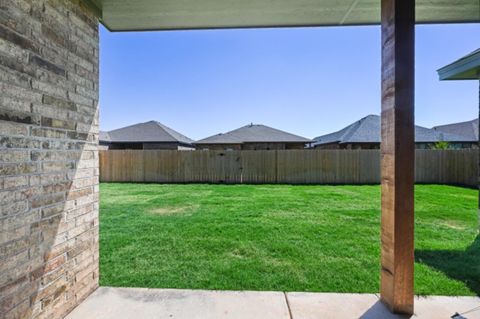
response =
{"points": [[253, 133], [367, 130], [104, 137], [468, 129], [152, 131]]}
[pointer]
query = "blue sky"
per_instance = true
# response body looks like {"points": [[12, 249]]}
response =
{"points": [[308, 81]]}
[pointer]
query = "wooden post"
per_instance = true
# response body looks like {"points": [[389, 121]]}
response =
{"points": [[398, 154]]}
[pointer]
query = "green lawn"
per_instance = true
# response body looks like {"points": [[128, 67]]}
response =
{"points": [[279, 237]]}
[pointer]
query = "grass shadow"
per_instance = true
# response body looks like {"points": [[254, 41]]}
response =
{"points": [[461, 265]]}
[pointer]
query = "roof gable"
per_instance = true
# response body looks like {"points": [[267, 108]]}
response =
{"points": [[368, 130], [254, 133], [147, 132], [468, 129], [104, 137]]}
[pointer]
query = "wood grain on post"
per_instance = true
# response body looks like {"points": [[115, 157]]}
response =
{"points": [[397, 154]]}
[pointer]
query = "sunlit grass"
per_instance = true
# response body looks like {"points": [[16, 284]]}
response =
{"points": [[279, 237]]}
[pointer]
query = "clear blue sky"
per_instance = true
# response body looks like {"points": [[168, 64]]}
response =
{"points": [[308, 81]]}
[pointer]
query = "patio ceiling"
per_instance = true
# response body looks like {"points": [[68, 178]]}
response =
{"points": [[135, 15]]}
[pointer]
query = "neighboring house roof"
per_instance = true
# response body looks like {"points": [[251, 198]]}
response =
{"points": [[465, 68], [104, 136], [152, 131], [368, 130], [254, 133], [468, 129]]}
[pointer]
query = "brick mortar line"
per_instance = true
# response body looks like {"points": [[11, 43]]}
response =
{"points": [[61, 63]]}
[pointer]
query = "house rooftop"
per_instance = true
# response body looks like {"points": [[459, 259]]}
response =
{"points": [[367, 130], [104, 136], [151, 131], [134, 15], [254, 133], [468, 129]]}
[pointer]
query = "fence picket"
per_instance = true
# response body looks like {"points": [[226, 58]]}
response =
{"points": [[280, 166]]}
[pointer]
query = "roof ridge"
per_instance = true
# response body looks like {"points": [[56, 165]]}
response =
{"points": [[367, 130], [455, 123], [124, 127], [232, 132], [255, 133], [354, 127], [157, 131], [170, 130], [163, 128]]}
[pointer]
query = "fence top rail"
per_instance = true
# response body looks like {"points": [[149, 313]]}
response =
{"points": [[466, 150]]}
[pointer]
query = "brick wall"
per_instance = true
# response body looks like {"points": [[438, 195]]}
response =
{"points": [[48, 157]]}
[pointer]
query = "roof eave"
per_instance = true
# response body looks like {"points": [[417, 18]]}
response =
{"points": [[246, 142], [211, 143], [262, 26], [467, 68], [126, 141], [149, 15], [96, 8], [250, 142]]}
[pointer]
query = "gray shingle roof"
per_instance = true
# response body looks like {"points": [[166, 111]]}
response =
{"points": [[253, 133], [468, 129], [152, 131], [104, 137], [367, 130]]}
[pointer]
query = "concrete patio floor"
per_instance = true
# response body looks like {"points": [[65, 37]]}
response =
{"points": [[141, 303]]}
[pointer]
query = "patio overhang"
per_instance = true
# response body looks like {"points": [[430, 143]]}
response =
{"points": [[130, 15], [465, 68], [397, 19], [49, 128]]}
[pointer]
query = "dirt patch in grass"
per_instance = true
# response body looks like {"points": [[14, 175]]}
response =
{"points": [[173, 210], [280, 237], [453, 225]]}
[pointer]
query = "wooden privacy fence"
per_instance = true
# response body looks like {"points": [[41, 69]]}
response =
{"points": [[284, 166]]}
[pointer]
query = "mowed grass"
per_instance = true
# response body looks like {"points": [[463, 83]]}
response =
{"points": [[279, 237]]}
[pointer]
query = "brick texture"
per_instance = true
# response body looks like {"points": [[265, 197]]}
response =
{"points": [[48, 157]]}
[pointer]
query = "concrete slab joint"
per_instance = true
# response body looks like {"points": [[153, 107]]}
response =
{"points": [[132, 303], [48, 157]]}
